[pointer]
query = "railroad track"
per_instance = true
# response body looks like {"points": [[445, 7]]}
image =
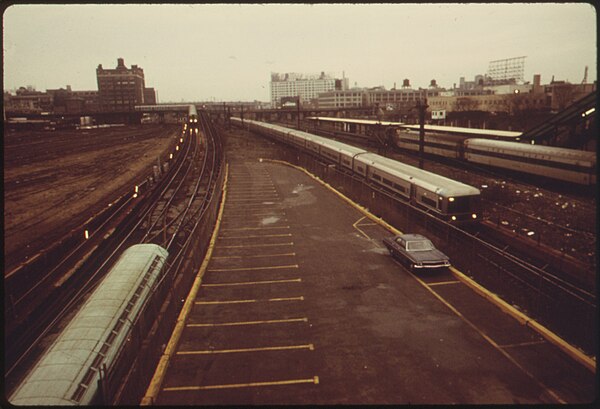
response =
{"points": [[193, 172]]}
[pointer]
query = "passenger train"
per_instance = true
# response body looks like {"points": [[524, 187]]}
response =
{"points": [[495, 148], [446, 198], [360, 125], [69, 371], [192, 121], [569, 165]]}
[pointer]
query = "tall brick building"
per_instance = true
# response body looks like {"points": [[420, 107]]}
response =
{"points": [[120, 89]]}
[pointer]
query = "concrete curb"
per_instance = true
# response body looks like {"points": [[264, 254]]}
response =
{"points": [[161, 369]]}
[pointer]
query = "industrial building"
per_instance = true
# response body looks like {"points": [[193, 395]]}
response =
{"points": [[120, 89], [305, 87]]}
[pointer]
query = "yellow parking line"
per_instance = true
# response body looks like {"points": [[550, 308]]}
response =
{"points": [[252, 178], [261, 203], [257, 256], [355, 225], [246, 215], [254, 181], [314, 380], [267, 189], [257, 237], [256, 228], [255, 200], [262, 187], [228, 324], [310, 347], [257, 245], [262, 197], [301, 298], [255, 212], [254, 192], [252, 268], [443, 282], [293, 280]]}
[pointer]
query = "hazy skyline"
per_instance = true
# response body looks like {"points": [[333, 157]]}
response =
{"points": [[227, 51]]}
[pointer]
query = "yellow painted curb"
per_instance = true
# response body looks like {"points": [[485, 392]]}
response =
{"points": [[576, 354], [161, 369]]}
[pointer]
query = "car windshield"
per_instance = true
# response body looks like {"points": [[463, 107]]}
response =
{"points": [[419, 245]]}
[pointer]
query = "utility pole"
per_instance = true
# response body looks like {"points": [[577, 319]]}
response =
{"points": [[422, 107]]}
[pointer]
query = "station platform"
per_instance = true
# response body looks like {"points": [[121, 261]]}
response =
{"points": [[301, 303]]}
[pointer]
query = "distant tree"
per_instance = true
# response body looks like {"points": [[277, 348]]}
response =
{"points": [[464, 104], [563, 95]]}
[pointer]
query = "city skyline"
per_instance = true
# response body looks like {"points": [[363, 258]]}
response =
{"points": [[228, 52]]}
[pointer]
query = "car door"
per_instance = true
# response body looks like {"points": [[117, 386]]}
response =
{"points": [[398, 249]]}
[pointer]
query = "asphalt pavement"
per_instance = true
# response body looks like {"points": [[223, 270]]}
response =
{"points": [[302, 304]]}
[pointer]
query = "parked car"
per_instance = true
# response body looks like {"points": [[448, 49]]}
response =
{"points": [[416, 252]]}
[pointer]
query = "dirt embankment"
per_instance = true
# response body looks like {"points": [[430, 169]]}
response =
{"points": [[55, 181]]}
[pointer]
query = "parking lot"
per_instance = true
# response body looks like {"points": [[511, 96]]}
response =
{"points": [[302, 304]]}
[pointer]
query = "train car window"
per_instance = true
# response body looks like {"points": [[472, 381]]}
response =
{"points": [[428, 201], [400, 188]]}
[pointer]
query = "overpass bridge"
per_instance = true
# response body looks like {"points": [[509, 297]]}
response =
{"points": [[573, 127], [216, 111]]}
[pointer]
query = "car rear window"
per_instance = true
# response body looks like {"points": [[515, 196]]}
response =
{"points": [[420, 245]]}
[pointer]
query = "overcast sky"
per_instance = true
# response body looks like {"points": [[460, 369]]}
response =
{"points": [[226, 52]]}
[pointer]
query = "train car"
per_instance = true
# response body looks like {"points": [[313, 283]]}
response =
{"points": [[192, 115], [449, 199], [68, 372], [468, 132], [569, 165], [350, 125], [447, 146], [446, 198], [191, 127], [360, 125], [341, 153]]}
